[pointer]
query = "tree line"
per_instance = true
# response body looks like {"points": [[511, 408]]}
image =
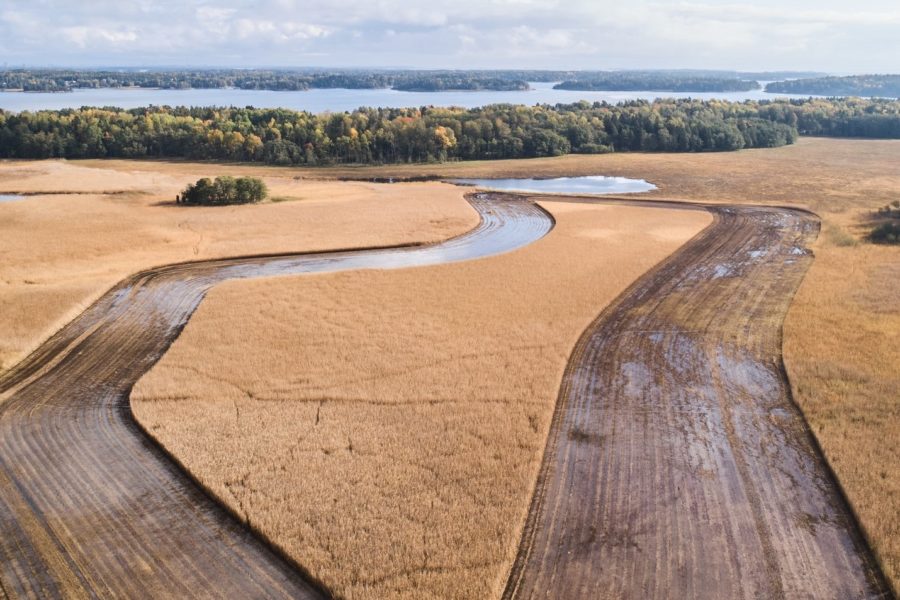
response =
{"points": [[64, 80], [659, 82], [392, 135], [871, 86]]}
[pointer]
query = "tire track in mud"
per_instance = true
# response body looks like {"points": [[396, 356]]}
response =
{"points": [[89, 505], [677, 464]]}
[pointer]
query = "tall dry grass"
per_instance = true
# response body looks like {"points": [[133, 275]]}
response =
{"points": [[841, 334], [385, 428], [842, 345], [838, 340], [61, 251]]}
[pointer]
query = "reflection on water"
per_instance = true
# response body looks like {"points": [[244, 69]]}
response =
{"points": [[594, 184]]}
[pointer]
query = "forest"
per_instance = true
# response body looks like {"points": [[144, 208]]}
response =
{"points": [[658, 82], [64, 80], [870, 86], [390, 135], [447, 82]]}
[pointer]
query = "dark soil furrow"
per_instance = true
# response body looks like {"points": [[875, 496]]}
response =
{"points": [[92, 507], [706, 481]]}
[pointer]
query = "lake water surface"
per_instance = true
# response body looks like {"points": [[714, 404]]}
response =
{"points": [[594, 184], [334, 100], [10, 198]]}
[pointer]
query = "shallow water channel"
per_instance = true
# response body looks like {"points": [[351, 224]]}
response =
{"points": [[593, 184]]}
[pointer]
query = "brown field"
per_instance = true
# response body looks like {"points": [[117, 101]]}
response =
{"points": [[846, 381], [89, 506], [677, 465], [385, 428], [61, 251], [842, 344], [840, 336]]}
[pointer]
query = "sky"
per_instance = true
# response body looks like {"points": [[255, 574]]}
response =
{"points": [[833, 36]]}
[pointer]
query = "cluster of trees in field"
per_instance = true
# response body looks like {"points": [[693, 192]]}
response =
{"points": [[62, 80], [390, 135], [887, 228], [224, 190], [887, 232], [883, 86], [658, 81]]}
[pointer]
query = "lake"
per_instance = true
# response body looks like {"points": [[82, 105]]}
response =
{"points": [[335, 100], [593, 184], [10, 198]]}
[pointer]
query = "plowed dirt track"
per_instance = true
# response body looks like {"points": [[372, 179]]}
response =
{"points": [[677, 464], [89, 507]]}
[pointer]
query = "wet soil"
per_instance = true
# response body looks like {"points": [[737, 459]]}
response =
{"points": [[677, 464], [89, 505]]}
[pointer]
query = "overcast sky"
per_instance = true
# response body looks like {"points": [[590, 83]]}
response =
{"points": [[824, 35]]}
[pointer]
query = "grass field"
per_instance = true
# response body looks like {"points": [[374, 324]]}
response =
{"points": [[61, 250], [840, 335], [385, 428]]}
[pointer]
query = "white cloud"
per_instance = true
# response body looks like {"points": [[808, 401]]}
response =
{"points": [[808, 34], [82, 36]]}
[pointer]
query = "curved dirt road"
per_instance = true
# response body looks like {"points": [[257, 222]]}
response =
{"points": [[677, 464], [89, 507]]}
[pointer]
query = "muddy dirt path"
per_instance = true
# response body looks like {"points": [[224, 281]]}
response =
{"points": [[89, 506], [677, 465]]}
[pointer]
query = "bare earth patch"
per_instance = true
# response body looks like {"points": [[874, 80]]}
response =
{"points": [[385, 428], [62, 250]]}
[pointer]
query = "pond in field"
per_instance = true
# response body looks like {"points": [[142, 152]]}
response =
{"points": [[10, 197], [594, 184]]}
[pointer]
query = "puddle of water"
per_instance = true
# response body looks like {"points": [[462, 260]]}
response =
{"points": [[747, 376], [637, 378], [720, 271], [780, 413], [10, 197], [594, 184]]}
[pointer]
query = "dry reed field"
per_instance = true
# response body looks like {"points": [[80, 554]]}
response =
{"points": [[61, 249], [366, 394], [385, 428], [842, 345], [92, 507], [840, 339], [841, 336]]}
